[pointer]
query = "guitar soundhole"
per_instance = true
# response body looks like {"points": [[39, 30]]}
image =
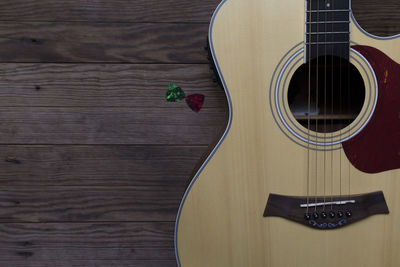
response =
{"points": [[336, 90]]}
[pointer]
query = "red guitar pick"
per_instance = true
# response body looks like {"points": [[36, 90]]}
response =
{"points": [[195, 101]]}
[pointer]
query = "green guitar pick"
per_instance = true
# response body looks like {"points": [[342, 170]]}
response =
{"points": [[174, 93]]}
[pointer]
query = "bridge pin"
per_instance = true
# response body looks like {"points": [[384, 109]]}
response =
{"points": [[348, 213], [324, 215], [315, 215], [307, 216], [332, 214], [340, 214]]}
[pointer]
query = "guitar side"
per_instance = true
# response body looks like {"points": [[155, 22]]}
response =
{"points": [[220, 221]]}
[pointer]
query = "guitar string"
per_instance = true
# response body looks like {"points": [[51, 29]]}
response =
{"points": [[325, 65], [332, 66], [349, 94], [309, 104], [316, 111], [340, 131]]}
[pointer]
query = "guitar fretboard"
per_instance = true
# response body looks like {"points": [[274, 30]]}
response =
{"points": [[327, 28]]}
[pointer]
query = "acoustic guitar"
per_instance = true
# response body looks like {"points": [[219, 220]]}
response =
{"points": [[307, 173]]}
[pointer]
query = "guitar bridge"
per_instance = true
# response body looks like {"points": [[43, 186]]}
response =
{"points": [[326, 212]]}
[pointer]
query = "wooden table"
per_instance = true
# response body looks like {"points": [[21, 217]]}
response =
{"points": [[94, 161]]}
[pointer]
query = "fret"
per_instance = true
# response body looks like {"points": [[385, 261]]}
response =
{"points": [[325, 38], [329, 16], [320, 43], [313, 33], [327, 22], [333, 27], [328, 10]]}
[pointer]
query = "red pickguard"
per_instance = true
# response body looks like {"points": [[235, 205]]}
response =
{"points": [[377, 147]]}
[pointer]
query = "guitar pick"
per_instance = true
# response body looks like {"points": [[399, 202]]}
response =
{"points": [[195, 101], [174, 93]]}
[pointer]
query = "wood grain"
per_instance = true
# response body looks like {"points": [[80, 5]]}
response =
{"points": [[118, 240], [68, 262], [110, 125], [85, 252], [378, 17], [89, 204], [103, 85], [110, 165], [102, 42], [85, 193], [108, 11]]}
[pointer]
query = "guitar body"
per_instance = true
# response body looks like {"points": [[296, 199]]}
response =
{"points": [[220, 221]]}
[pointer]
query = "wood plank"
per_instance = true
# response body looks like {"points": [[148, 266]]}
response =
{"points": [[108, 11], [31, 237], [94, 85], [39, 125], [98, 165], [83, 252], [89, 204], [381, 18], [102, 42], [90, 263]]}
